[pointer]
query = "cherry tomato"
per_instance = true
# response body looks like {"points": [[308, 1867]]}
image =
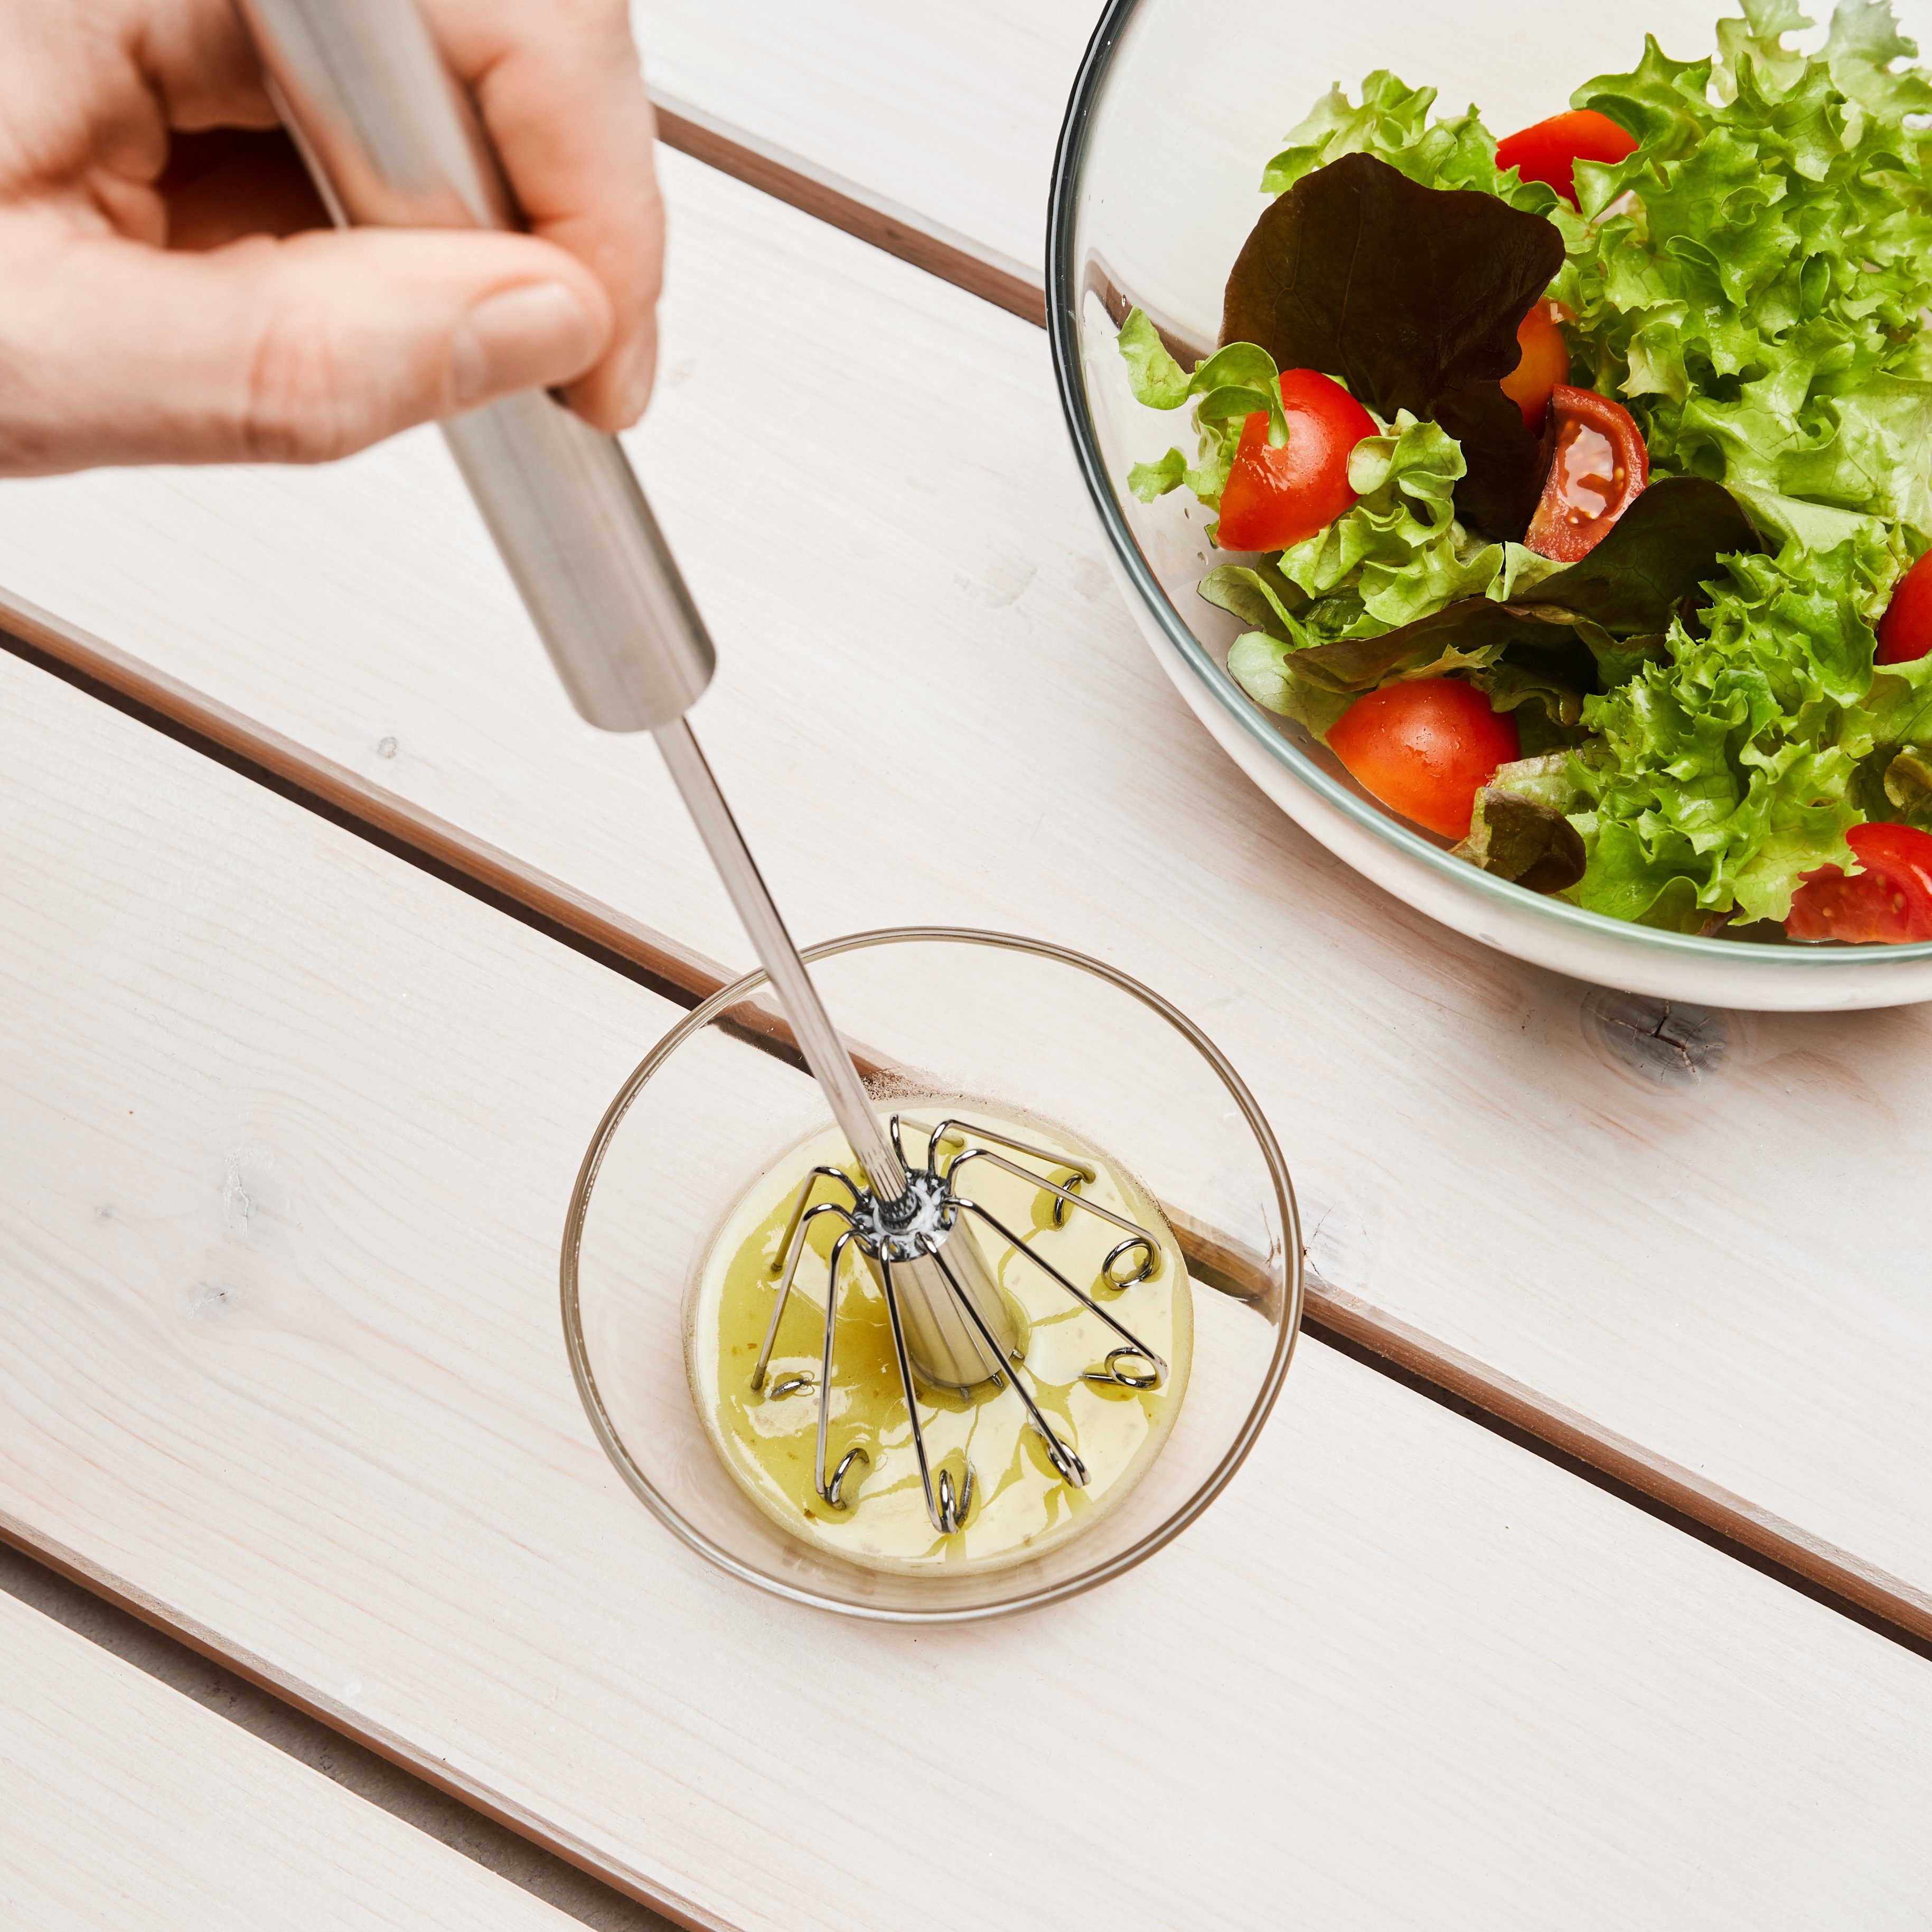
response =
{"points": [[1426, 749], [1546, 362], [1905, 631], [1889, 903], [1277, 497], [1550, 151], [1598, 469]]}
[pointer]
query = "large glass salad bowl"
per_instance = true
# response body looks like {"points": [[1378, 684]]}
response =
{"points": [[1177, 108]]}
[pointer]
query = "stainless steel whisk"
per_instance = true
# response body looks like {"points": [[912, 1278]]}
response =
{"points": [[393, 141]]}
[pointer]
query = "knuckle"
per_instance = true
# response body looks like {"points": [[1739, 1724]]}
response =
{"points": [[298, 402]]}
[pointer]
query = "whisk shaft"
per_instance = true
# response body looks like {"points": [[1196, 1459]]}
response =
{"points": [[393, 140], [818, 1040], [944, 1345]]}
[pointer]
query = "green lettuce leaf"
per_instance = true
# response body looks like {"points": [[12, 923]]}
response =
{"points": [[1265, 668], [1400, 548], [1898, 708], [1232, 384], [1864, 44], [1905, 778], [1258, 594], [1730, 764], [1757, 301], [1156, 378], [1392, 124]]}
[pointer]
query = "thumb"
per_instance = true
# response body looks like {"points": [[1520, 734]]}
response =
{"points": [[295, 350]]}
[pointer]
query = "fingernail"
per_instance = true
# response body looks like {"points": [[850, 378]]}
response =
{"points": [[531, 338], [639, 370]]}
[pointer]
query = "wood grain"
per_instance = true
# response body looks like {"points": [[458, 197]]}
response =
{"points": [[948, 115], [288, 1131], [1654, 1268], [128, 1804]]}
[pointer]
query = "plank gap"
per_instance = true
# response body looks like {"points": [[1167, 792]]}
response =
{"points": [[1713, 1516], [82, 1602], [843, 204]]}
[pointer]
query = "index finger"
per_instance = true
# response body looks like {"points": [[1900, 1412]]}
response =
{"points": [[562, 92]]}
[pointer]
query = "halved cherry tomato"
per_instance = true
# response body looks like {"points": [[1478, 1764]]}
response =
{"points": [[1546, 362], [1277, 497], [1597, 469], [1905, 631], [1889, 903], [1426, 749], [1550, 151]]}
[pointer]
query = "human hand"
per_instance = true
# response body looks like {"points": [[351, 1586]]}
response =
{"points": [[170, 296]]}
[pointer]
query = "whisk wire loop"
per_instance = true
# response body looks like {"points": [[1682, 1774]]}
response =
{"points": [[834, 1491], [1149, 1262], [1122, 1378], [1086, 1300], [828, 1486], [796, 1240], [944, 1508]]}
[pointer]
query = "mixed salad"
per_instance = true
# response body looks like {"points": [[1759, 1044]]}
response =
{"points": [[1576, 488]]}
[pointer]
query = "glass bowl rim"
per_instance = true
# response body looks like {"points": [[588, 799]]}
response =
{"points": [[1287, 1332], [1063, 299]]}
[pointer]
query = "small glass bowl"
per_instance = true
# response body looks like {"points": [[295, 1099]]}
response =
{"points": [[935, 1014], [1178, 106]]}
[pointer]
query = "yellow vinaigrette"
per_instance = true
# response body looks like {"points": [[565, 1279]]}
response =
{"points": [[768, 1437]]}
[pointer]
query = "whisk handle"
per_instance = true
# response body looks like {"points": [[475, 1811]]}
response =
{"points": [[394, 141]]}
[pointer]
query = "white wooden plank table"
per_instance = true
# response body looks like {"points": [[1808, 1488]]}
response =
{"points": [[290, 1127], [1656, 1271], [126, 1804]]}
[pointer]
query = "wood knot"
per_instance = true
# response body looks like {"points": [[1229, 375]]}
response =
{"points": [[1664, 1042]]}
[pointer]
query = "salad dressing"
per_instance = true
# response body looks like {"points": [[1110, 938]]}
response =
{"points": [[767, 1438]]}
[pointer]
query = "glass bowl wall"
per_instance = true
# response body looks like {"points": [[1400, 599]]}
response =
{"points": [[943, 1015], [1177, 107]]}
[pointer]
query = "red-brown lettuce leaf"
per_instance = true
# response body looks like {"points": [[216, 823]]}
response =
{"points": [[1412, 296], [1472, 628], [1503, 483], [1518, 839]]}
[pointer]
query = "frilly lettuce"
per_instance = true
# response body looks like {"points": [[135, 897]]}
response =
{"points": [[1757, 301], [1721, 774], [1392, 124], [1237, 383]]}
